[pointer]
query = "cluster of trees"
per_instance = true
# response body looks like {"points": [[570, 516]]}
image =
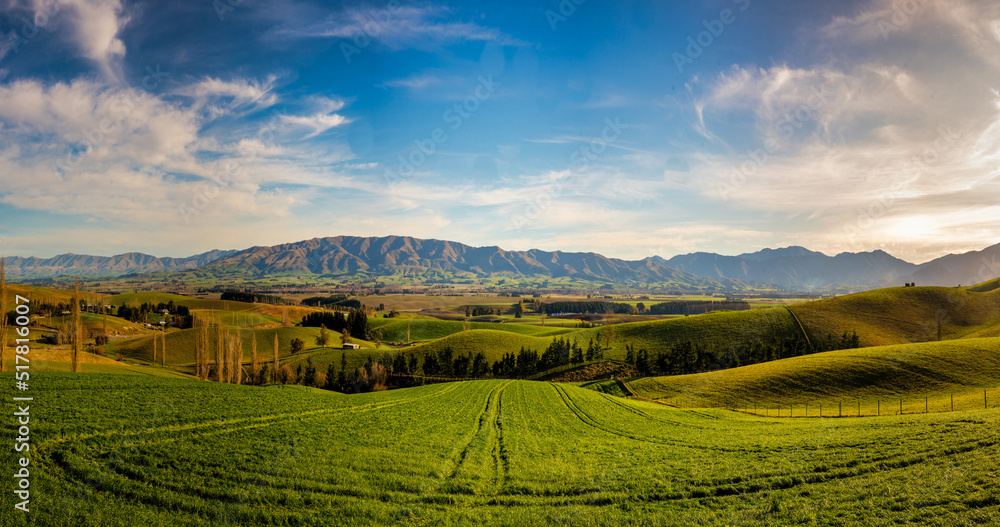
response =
{"points": [[695, 357], [355, 324], [339, 300], [444, 363], [181, 313], [693, 307], [479, 311], [252, 298], [593, 307]]}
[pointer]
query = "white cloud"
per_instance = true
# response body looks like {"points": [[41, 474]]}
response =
{"points": [[318, 123], [399, 28], [414, 83], [219, 97], [905, 136], [96, 25]]}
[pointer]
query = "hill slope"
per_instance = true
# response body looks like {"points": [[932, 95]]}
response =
{"points": [[899, 315], [483, 453], [912, 371]]}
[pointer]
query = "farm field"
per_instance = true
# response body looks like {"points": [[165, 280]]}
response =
{"points": [[496, 452]]}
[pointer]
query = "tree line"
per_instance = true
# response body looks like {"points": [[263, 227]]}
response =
{"points": [[251, 298], [696, 307], [686, 357]]}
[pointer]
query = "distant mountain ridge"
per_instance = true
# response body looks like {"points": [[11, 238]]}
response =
{"points": [[801, 269], [793, 268], [85, 265], [352, 254]]}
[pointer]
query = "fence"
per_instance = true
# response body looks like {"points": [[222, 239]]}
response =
{"points": [[872, 407]]}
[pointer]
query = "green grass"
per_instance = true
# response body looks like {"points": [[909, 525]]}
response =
{"points": [[136, 299], [181, 344], [898, 315], [116, 450], [876, 377], [242, 319], [432, 329], [92, 322]]}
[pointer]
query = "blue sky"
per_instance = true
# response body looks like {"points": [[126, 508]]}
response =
{"points": [[625, 128]]}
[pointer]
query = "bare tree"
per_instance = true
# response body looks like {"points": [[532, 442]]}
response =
{"points": [[77, 326], [219, 352], [3, 317], [104, 313], [253, 358], [275, 369]]}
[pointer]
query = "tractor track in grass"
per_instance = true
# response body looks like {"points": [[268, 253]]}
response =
{"points": [[229, 425], [488, 437], [53, 450], [617, 401], [589, 421]]}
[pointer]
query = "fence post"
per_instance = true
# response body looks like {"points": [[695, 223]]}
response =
{"points": [[821, 409], [900, 406], [859, 407], [878, 406], [840, 409], [952, 402], [986, 405], [925, 404]]}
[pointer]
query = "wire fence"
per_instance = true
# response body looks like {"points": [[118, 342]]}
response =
{"points": [[862, 407]]}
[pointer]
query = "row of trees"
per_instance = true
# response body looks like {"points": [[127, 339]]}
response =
{"points": [[480, 311], [593, 307], [690, 356], [252, 298], [694, 307]]}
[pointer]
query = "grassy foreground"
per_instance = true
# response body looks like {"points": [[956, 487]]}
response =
{"points": [[132, 450]]}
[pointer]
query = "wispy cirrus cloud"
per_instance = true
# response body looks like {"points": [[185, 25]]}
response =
{"points": [[419, 27], [219, 97]]}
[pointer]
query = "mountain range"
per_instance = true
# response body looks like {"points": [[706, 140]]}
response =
{"points": [[794, 268], [84, 265]]}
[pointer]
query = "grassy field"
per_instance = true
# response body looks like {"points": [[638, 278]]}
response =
{"points": [[924, 376], [498, 452], [899, 315]]}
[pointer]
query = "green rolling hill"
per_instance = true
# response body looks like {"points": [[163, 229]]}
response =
{"points": [[933, 370], [185, 452]]}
